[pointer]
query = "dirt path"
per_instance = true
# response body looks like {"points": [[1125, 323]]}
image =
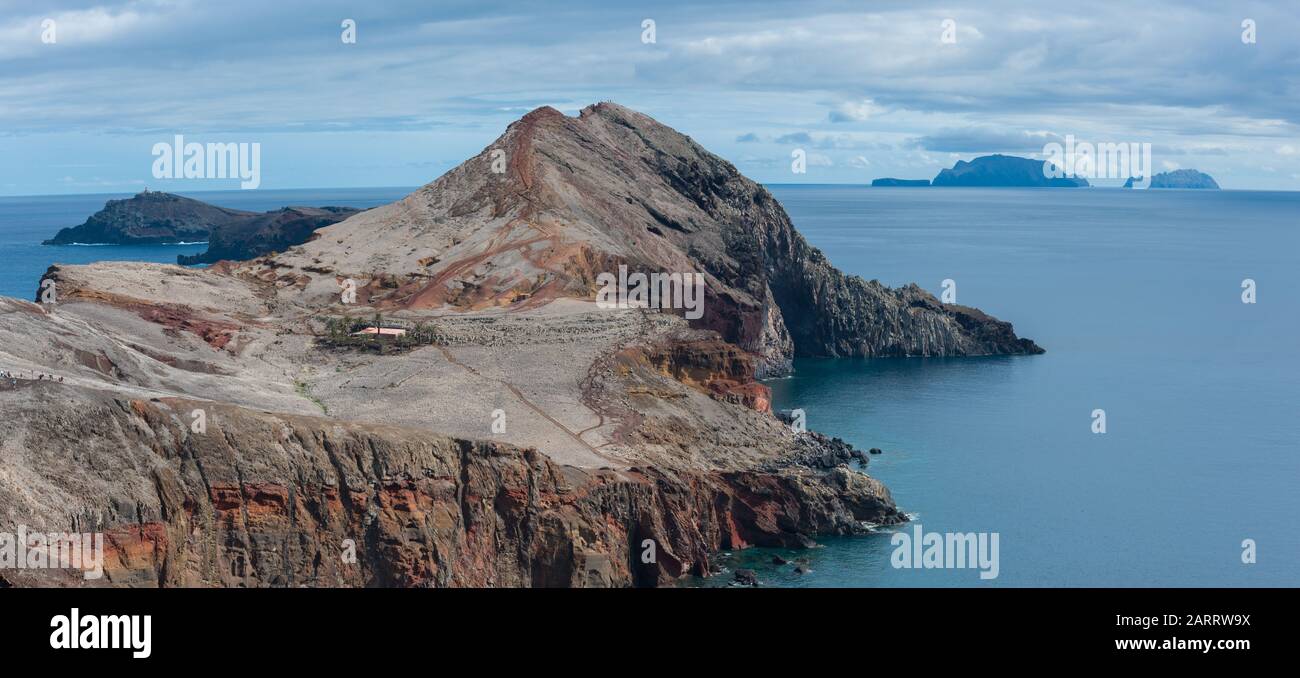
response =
{"points": [[524, 399]]}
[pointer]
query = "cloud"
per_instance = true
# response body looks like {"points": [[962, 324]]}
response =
{"points": [[77, 29], [855, 111], [795, 138], [859, 80], [985, 139]]}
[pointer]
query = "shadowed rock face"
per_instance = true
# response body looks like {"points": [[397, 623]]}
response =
{"points": [[570, 198], [264, 233]]}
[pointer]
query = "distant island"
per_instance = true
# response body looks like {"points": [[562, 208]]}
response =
{"points": [[890, 181], [1183, 178], [1003, 170], [156, 218]]}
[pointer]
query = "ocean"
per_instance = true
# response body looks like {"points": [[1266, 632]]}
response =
{"points": [[1136, 295]]}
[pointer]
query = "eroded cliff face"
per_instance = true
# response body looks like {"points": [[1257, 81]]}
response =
{"points": [[260, 499], [779, 296]]}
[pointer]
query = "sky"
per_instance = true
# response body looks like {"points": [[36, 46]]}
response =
{"points": [[865, 89]]}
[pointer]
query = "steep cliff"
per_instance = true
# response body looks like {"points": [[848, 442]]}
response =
{"points": [[260, 499]]}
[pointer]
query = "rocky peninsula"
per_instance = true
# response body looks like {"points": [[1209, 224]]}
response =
{"points": [[220, 428], [154, 217]]}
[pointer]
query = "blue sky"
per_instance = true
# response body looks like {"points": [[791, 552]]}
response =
{"points": [[868, 89]]}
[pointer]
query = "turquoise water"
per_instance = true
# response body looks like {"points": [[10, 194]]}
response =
{"points": [[1136, 297], [26, 221]]}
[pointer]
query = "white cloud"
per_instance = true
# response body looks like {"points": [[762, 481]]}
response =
{"points": [[856, 111]]}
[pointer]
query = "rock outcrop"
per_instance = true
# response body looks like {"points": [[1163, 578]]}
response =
{"points": [[1004, 170], [266, 233], [149, 218]]}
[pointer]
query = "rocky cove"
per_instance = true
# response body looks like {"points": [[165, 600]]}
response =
{"points": [[620, 426]]}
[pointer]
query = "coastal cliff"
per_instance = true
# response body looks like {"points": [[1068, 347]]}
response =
{"points": [[279, 500]]}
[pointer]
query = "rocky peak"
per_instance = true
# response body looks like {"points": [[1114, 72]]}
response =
{"points": [[557, 200]]}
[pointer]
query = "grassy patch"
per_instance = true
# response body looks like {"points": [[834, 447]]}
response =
{"points": [[304, 390]]}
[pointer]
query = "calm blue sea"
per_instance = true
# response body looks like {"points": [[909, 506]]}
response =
{"points": [[1136, 295]]}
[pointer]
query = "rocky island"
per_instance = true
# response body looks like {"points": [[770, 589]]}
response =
{"points": [[890, 181], [227, 426], [154, 217], [1183, 178], [1003, 170]]}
